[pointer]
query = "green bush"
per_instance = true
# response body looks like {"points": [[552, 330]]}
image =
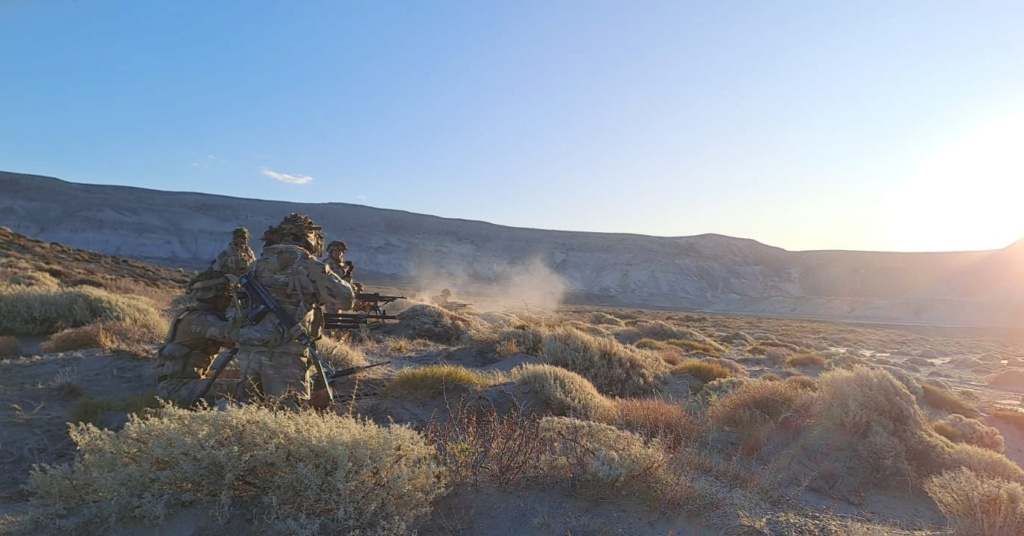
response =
{"points": [[306, 472]]}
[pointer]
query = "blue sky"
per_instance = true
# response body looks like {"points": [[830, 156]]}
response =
{"points": [[887, 126]]}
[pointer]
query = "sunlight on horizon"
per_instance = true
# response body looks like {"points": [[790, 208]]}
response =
{"points": [[966, 196]]}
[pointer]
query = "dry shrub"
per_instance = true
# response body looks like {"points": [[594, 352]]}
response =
{"points": [[340, 354], [737, 338], [563, 391], [116, 336], [805, 359], [434, 380], [946, 400], [661, 419], [520, 340], [601, 460], [306, 472], [703, 369], [35, 279], [867, 425], [757, 409], [30, 311], [649, 344], [971, 431], [976, 505], [488, 447], [435, 324], [982, 461], [802, 382], [9, 347], [613, 368], [663, 331], [686, 345], [604, 319]]}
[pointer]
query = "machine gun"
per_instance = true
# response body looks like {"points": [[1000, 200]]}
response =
{"points": [[372, 301], [369, 313]]}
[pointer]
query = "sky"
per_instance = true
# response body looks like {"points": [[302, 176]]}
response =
{"points": [[872, 126]]}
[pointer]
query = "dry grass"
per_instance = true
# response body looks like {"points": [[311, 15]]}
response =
{"points": [[805, 359], [602, 461], [960, 429], [866, 425], [704, 370], [340, 354], [34, 279], [435, 380], [946, 400], [613, 368], [305, 472], [564, 392], [30, 311], [652, 418], [977, 505], [118, 336]]}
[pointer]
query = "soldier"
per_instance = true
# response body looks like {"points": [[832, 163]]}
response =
{"points": [[273, 363], [193, 341], [347, 271], [238, 256], [442, 299], [336, 256]]}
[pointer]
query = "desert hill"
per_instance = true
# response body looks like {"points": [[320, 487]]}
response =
{"points": [[706, 272], [71, 267]]}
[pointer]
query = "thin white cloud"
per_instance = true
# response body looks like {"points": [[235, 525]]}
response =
{"points": [[286, 178]]}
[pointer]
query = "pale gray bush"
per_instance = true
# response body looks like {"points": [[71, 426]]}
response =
{"points": [[565, 392], [613, 368], [306, 472]]}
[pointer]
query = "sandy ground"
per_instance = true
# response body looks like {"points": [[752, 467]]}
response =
{"points": [[38, 393]]}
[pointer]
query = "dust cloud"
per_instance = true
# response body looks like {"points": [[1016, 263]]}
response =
{"points": [[530, 286]]}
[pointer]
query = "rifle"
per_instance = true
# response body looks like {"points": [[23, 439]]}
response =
{"points": [[217, 369], [355, 320], [376, 299], [254, 289]]}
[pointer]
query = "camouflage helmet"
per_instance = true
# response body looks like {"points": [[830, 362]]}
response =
{"points": [[337, 244], [209, 284], [240, 232], [298, 230]]}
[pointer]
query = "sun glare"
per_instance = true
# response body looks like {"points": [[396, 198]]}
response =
{"points": [[967, 196]]}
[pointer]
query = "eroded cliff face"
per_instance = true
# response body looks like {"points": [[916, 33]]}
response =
{"points": [[707, 272]]}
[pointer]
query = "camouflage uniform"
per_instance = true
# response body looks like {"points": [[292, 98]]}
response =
{"points": [[273, 363], [238, 256], [335, 259], [192, 343]]}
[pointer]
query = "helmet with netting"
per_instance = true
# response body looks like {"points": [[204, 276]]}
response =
{"points": [[240, 232], [209, 284], [337, 244], [298, 230]]}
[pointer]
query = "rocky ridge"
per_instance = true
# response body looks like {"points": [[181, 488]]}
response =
{"points": [[706, 272]]}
